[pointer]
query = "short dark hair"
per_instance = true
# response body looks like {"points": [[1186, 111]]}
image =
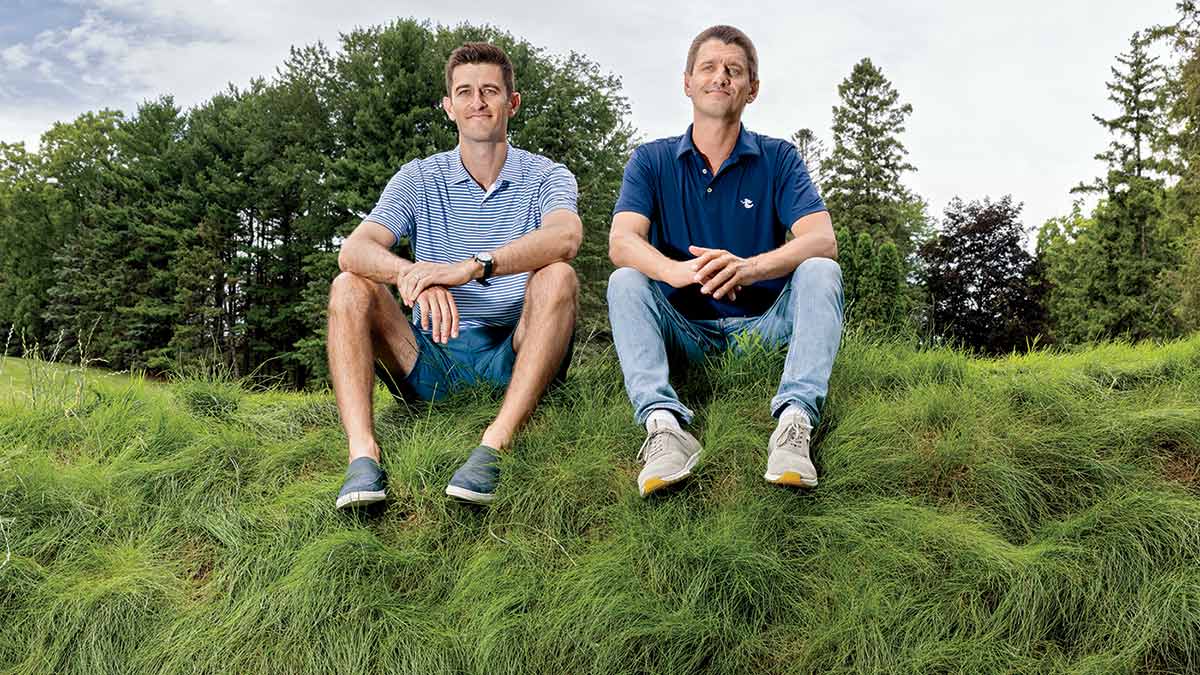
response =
{"points": [[730, 36], [480, 52]]}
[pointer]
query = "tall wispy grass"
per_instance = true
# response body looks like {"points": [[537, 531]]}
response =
{"points": [[1031, 514]]}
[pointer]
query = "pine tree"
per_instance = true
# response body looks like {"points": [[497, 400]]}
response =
{"points": [[862, 176], [813, 152], [1125, 250], [1180, 144]]}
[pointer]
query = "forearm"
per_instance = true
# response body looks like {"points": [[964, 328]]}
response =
{"points": [[536, 250], [630, 250], [784, 260], [372, 260]]}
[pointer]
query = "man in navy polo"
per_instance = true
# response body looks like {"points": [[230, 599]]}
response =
{"points": [[492, 228], [699, 236]]}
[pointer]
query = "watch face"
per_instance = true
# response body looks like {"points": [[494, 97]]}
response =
{"points": [[484, 257]]}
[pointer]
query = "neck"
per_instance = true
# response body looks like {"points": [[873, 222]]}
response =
{"points": [[715, 138], [483, 160]]}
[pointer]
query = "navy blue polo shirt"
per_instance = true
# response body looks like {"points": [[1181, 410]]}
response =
{"points": [[747, 208]]}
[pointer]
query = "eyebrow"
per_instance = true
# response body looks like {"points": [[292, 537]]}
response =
{"points": [[732, 62], [467, 87]]}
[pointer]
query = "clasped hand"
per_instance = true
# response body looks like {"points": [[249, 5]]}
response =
{"points": [[718, 272], [427, 285]]}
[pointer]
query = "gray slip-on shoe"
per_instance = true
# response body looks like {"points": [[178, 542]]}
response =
{"points": [[364, 484], [475, 481]]}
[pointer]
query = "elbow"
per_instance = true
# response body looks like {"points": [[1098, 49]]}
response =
{"points": [[831, 249], [614, 250], [343, 258], [571, 244]]}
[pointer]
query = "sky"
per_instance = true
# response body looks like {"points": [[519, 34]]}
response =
{"points": [[1002, 93]]}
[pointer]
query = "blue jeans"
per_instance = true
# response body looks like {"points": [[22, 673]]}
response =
{"points": [[648, 330]]}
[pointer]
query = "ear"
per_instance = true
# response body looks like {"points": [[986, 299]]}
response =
{"points": [[448, 108], [514, 103], [687, 84], [753, 92]]}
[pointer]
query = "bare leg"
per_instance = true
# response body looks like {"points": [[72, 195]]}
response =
{"points": [[540, 341], [365, 324]]}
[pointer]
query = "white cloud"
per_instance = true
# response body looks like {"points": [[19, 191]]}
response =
{"points": [[16, 57]]}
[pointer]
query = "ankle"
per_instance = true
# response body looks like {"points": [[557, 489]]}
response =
{"points": [[794, 413], [661, 417], [496, 437], [364, 449]]}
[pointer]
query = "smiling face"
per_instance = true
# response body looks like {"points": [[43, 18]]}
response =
{"points": [[479, 102], [719, 83]]}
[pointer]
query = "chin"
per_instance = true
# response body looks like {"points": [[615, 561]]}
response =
{"points": [[722, 111], [489, 136]]}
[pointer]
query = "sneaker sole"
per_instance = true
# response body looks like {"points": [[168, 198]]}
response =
{"points": [[790, 478], [656, 483], [360, 498], [469, 495]]}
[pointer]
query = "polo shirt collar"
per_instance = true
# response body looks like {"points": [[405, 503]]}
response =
{"points": [[509, 173], [745, 146]]}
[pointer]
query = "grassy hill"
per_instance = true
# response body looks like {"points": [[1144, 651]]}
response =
{"points": [[1034, 514]]}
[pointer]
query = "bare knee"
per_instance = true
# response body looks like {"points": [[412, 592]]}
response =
{"points": [[556, 282], [351, 294]]}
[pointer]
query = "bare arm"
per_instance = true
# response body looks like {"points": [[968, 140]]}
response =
{"points": [[629, 246], [722, 273], [367, 253], [557, 240]]}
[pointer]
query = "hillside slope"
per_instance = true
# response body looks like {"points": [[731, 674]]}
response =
{"points": [[1030, 514]]}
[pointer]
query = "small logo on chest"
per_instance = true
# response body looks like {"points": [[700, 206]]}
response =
{"points": [[747, 204]]}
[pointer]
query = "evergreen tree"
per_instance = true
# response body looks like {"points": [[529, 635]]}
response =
{"points": [[847, 261], [862, 176], [1180, 144], [813, 151], [891, 308], [1123, 254], [33, 225], [78, 158]]}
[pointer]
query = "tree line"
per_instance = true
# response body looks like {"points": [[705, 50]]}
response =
{"points": [[1129, 269], [172, 238]]}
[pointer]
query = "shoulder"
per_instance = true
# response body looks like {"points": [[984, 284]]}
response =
{"points": [[658, 149], [774, 149], [541, 171], [535, 166], [440, 164], [651, 157]]}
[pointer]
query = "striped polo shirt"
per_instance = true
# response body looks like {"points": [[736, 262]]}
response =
{"points": [[447, 218]]}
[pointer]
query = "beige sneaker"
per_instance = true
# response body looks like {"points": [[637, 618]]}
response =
{"points": [[670, 455], [787, 459]]}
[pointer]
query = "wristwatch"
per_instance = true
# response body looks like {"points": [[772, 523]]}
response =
{"points": [[484, 259]]}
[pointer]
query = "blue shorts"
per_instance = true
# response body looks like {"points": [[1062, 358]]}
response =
{"points": [[480, 355]]}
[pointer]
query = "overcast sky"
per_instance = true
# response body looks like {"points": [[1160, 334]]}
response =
{"points": [[1002, 93]]}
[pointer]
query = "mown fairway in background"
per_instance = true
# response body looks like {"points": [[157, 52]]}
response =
{"points": [[1032, 514]]}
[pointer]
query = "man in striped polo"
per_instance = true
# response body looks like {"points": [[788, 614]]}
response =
{"points": [[493, 298]]}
